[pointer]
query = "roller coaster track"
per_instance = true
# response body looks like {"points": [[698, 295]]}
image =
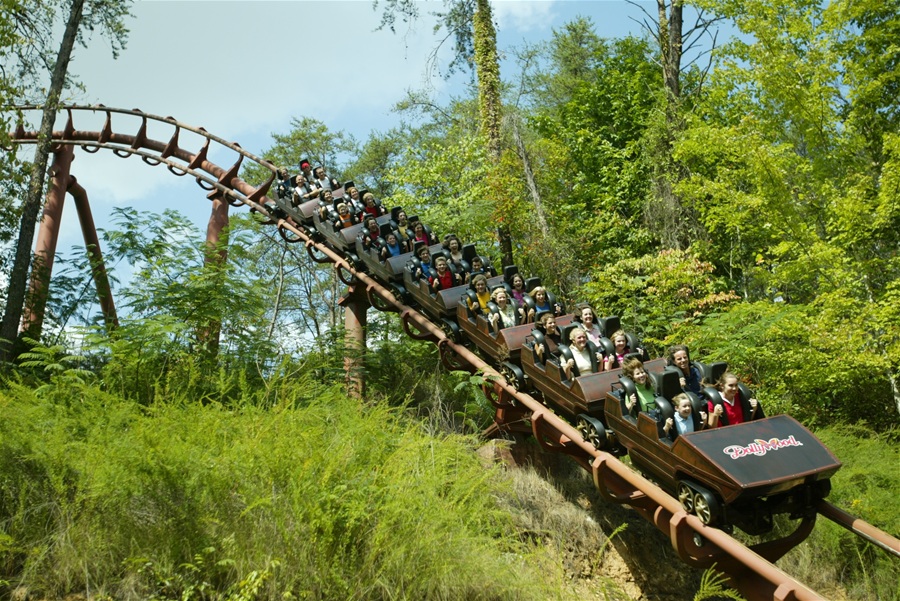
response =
{"points": [[749, 569]]}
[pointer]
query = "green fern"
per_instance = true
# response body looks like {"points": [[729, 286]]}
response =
{"points": [[620, 529], [54, 363], [714, 585]]}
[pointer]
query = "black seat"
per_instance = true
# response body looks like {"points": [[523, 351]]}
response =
{"points": [[493, 308], [666, 411], [668, 384], [715, 397], [565, 331], [628, 388], [610, 325], [538, 338], [711, 372]]}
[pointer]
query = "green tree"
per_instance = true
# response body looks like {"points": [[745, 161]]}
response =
{"points": [[444, 182], [470, 24], [595, 176], [309, 138], [11, 177], [797, 192], [307, 292], [555, 70], [374, 160], [174, 294]]}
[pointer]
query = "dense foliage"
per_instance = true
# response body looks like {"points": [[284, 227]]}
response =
{"points": [[865, 486], [773, 242]]}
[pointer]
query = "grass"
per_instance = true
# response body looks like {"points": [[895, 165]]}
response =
{"points": [[317, 496], [325, 500]]}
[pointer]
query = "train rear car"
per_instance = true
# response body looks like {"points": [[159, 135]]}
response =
{"points": [[738, 475]]}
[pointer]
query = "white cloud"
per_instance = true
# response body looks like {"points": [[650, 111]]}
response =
{"points": [[241, 70], [238, 68], [522, 15]]}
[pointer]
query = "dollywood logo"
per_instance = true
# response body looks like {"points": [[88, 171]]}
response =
{"points": [[760, 447]]}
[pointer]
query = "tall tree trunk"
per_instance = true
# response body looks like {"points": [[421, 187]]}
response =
{"points": [[676, 223], [18, 279], [670, 45], [532, 184], [487, 69]]}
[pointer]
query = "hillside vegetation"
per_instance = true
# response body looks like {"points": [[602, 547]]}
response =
{"points": [[317, 497]]}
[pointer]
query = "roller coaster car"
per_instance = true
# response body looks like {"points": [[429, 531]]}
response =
{"points": [[738, 475], [504, 346], [530, 284], [583, 398], [343, 239], [304, 212], [439, 306], [296, 213], [389, 271]]}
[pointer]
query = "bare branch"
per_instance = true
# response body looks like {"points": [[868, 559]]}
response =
{"points": [[652, 18]]}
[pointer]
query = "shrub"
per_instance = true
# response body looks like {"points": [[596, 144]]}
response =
{"points": [[866, 486]]}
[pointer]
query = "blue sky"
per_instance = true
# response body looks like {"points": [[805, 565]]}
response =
{"points": [[243, 69]]}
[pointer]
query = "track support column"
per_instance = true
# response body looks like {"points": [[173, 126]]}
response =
{"points": [[216, 255], [356, 304], [95, 255], [48, 235]]}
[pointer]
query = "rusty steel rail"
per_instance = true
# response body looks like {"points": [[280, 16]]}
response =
{"points": [[860, 528], [750, 570]]}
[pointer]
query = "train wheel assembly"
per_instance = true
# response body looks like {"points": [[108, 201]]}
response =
{"points": [[355, 261], [399, 293], [514, 375], [450, 329], [699, 501], [592, 430], [706, 507]]}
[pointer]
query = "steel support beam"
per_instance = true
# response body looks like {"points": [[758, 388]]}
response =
{"points": [[216, 254], [218, 220], [356, 305], [95, 255], [48, 236]]}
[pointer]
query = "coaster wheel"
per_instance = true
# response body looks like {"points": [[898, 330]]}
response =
{"points": [[514, 375], [356, 262], [592, 430], [450, 329], [706, 507], [399, 292], [686, 497]]}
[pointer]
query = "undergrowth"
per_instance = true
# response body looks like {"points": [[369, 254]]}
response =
{"points": [[325, 499]]}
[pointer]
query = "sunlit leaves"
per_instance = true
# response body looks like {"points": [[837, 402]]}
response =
{"points": [[653, 293], [793, 171], [445, 185]]}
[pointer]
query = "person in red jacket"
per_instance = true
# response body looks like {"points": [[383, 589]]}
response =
{"points": [[734, 409], [444, 278]]}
